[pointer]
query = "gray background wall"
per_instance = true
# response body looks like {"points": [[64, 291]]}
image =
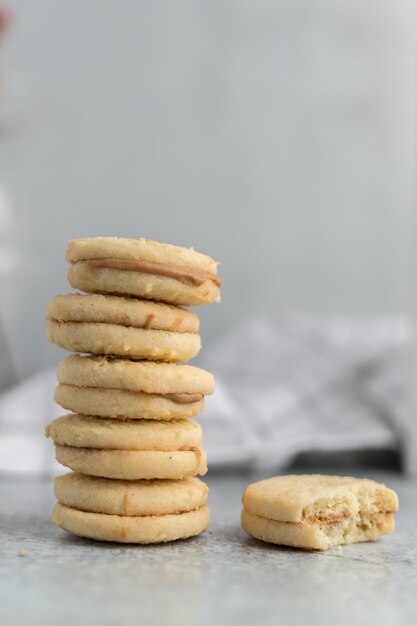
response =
{"points": [[276, 136]]}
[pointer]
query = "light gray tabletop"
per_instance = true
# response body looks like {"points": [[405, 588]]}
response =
{"points": [[223, 577]]}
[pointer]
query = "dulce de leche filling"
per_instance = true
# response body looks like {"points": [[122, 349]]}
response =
{"points": [[182, 398], [187, 275], [178, 397]]}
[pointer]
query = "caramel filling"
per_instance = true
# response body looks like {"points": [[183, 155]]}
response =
{"points": [[182, 398], [148, 325], [178, 398], [187, 275], [125, 504], [198, 454], [195, 449], [149, 321], [337, 519], [327, 520]]}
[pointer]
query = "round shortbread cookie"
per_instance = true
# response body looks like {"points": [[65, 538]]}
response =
{"points": [[123, 327], [128, 529], [317, 512], [145, 269], [135, 343], [75, 307], [80, 431], [122, 405], [145, 376], [124, 389], [133, 464], [121, 497]]}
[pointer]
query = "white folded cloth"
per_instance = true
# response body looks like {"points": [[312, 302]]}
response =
{"points": [[296, 385], [283, 386]]}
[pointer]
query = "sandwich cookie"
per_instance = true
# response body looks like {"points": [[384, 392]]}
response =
{"points": [[144, 269], [128, 450], [127, 327], [123, 389], [317, 512], [148, 511], [129, 497]]}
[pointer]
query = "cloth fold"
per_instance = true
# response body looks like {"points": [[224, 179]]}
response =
{"points": [[283, 387]]}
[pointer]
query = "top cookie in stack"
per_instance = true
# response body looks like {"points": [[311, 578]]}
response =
{"points": [[134, 331], [143, 269]]}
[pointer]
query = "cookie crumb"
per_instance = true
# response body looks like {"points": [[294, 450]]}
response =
{"points": [[23, 552]]}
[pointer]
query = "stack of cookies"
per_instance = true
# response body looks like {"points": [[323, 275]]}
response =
{"points": [[135, 452]]}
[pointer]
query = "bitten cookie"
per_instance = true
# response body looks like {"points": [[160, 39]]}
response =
{"points": [[111, 325], [144, 269], [129, 450], [146, 511], [123, 389], [317, 512]]}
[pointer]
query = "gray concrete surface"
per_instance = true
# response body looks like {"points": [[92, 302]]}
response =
{"points": [[223, 577]]}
